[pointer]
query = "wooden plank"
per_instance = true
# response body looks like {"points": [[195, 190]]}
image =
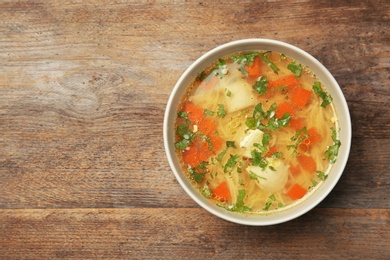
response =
{"points": [[84, 87], [164, 233]]}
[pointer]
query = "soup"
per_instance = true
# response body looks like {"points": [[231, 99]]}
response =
{"points": [[256, 132]]}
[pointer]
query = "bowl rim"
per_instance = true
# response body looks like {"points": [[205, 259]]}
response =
{"points": [[333, 88]]}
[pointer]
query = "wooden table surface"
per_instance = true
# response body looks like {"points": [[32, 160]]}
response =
{"points": [[83, 89]]}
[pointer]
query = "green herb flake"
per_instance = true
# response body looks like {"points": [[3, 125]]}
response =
{"points": [[207, 139], [332, 151], [182, 144], [295, 68], [298, 137], [228, 92], [186, 134], [269, 202], [231, 144], [261, 85], [221, 155], [208, 112], [272, 65], [275, 124], [256, 156], [221, 111], [245, 59], [206, 192], [232, 161], [321, 175], [198, 173], [277, 155], [263, 150], [182, 114], [254, 176], [266, 138], [327, 99], [240, 207], [263, 163]]}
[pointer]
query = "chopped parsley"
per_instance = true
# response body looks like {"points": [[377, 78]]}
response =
{"points": [[262, 149], [232, 161], [231, 144], [275, 124], [266, 138], [295, 68], [221, 110], [245, 59], [183, 114], [198, 173], [321, 175], [228, 92], [277, 155], [261, 85], [208, 112], [256, 156], [254, 176], [332, 151], [239, 206], [187, 136], [327, 99], [207, 139], [272, 65], [259, 119], [314, 183], [269, 202], [206, 192], [298, 137], [221, 155]]}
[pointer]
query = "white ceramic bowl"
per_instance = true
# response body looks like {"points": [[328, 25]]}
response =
{"points": [[304, 58]]}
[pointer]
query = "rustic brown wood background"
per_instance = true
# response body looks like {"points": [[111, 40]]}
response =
{"points": [[83, 89]]}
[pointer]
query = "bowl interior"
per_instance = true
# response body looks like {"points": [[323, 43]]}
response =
{"points": [[322, 73]]}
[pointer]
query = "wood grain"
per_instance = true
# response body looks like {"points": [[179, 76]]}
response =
{"points": [[83, 90], [182, 233]]}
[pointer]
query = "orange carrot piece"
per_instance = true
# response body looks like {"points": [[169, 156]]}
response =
{"points": [[191, 157], [254, 69], [296, 123], [314, 136], [271, 151], [206, 126], [217, 142], [197, 152], [296, 192], [289, 81], [195, 114], [307, 163], [295, 169], [300, 97], [221, 192], [283, 108]]}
